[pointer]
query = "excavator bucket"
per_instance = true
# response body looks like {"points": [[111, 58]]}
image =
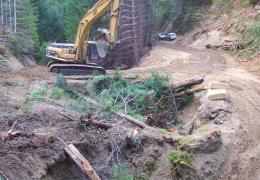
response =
{"points": [[102, 48]]}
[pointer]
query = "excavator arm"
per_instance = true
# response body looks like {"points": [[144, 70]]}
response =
{"points": [[97, 11]]}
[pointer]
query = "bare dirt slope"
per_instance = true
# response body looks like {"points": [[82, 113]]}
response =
{"points": [[241, 135]]}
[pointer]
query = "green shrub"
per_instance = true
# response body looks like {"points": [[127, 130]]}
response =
{"points": [[221, 2], [42, 53], [26, 107], [57, 93], [97, 84], [2, 177], [61, 82], [182, 18], [5, 117], [151, 96], [1, 60], [251, 42], [39, 95], [120, 172], [180, 160], [78, 105], [22, 44]]}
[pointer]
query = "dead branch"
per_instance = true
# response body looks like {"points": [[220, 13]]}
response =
{"points": [[66, 116], [8, 136], [82, 163]]}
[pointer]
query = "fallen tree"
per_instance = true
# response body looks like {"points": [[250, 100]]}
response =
{"points": [[82, 163]]}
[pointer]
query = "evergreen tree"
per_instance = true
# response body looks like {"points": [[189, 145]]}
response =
{"points": [[26, 39]]}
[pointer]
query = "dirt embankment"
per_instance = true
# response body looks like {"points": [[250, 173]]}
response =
{"points": [[240, 133]]}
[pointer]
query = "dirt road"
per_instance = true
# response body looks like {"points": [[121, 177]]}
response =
{"points": [[241, 134]]}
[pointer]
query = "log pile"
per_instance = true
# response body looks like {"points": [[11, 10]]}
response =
{"points": [[226, 46]]}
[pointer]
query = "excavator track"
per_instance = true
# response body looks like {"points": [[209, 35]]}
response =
{"points": [[76, 69]]}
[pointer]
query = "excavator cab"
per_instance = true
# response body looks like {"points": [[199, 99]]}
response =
{"points": [[61, 52], [64, 53]]}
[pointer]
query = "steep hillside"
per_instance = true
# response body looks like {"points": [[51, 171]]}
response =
{"points": [[233, 28]]}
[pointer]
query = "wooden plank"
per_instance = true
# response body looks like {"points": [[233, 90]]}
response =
{"points": [[82, 163]]}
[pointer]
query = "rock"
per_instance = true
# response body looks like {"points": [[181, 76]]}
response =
{"points": [[217, 94], [217, 111], [208, 142]]}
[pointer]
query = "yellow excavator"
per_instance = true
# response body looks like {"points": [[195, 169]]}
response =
{"points": [[73, 59]]}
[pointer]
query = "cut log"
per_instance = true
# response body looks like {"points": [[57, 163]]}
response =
{"points": [[98, 124], [190, 91], [131, 120], [82, 163], [188, 83]]}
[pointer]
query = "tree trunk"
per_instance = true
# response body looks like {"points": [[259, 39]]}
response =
{"points": [[15, 18]]}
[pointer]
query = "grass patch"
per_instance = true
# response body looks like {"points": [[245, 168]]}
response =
{"points": [[221, 2], [39, 95], [251, 42], [79, 106], [26, 107], [5, 117], [57, 93], [202, 128], [187, 140], [180, 160], [61, 82], [1, 176], [121, 172]]}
